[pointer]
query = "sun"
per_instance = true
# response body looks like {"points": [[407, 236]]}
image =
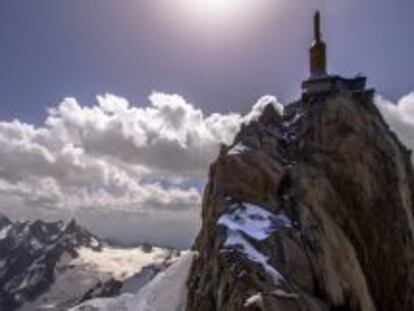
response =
{"points": [[214, 21], [214, 8], [216, 11]]}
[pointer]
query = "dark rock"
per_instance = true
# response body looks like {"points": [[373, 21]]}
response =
{"points": [[343, 184]]}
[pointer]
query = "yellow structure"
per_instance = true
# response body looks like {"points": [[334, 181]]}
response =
{"points": [[317, 51], [320, 82]]}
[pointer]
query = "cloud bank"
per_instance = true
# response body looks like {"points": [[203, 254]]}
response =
{"points": [[129, 172], [400, 117], [113, 157]]}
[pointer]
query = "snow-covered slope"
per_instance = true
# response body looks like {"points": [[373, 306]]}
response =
{"points": [[55, 266], [98, 274], [166, 292]]}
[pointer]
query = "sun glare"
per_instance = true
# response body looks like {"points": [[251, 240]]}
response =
{"points": [[217, 11], [215, 8], [215, 21]]}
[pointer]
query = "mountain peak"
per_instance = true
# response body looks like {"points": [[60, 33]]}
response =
{"points": [[38, 247], [308, 210], [4, 221]]}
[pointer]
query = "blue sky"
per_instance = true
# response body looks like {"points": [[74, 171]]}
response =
{"points": [[81, 48], [131, 165]]}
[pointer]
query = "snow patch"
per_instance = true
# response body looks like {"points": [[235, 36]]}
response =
{"points": [[254, 300], [76, 276], [239, 148], [118, 262], [235, 239], [94, 242], [254, 221], [166, 292], [257, 223], [4, 232], [294, 120], [283, 294], [36, 244]]}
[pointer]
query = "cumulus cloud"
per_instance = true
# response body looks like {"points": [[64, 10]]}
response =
{"points": [[129, 172], [169, 137], [113, 156], [111, 160], [400, 117]]}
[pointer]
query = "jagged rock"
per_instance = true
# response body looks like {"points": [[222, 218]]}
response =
{"points": [[4, 221], [29, 252], [55, 266], [309, 210], [109, 288]]}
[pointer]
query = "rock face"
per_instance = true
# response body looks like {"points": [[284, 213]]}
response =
{"points": [[312, 210]]}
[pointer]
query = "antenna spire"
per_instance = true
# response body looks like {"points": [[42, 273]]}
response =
{"points": [[318, 50], [317, 26]]}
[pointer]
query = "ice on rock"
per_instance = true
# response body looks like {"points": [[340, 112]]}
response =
{"points": [[283, 294], [4, 232], [235, 239], [36, 244], [239, 148], [254, 221], [254, 300], [294, 120]]}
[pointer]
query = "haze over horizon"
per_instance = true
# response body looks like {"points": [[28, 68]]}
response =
{"points": [[133, 168]]}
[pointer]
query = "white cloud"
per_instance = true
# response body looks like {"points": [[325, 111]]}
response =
{"points": [[400, 117], [114, 157], [170, 137], [261, 104], [115, 163]]}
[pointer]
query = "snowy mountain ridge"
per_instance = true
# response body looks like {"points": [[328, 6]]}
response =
{"points": [[166, 292], [55, 266]]}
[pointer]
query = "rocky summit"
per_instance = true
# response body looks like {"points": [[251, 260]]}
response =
{"points": [[310, 209]]}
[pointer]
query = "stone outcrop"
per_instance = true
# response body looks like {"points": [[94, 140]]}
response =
{"points": [[308, 210]]}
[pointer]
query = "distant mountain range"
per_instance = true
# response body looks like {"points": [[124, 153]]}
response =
{"points": [[55, 266]]}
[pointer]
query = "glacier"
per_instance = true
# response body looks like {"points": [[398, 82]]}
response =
{"points": [[166, 292]]}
